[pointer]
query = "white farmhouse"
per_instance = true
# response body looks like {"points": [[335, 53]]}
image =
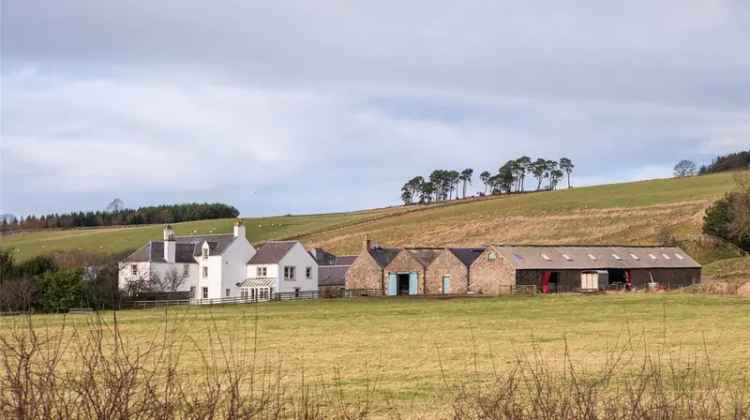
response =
{"points": [[208, 266], [280, 267]]}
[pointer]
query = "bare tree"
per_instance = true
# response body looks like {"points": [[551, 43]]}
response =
{"points": [[685, 168]]}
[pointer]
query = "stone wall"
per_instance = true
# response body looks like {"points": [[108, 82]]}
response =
{"points": [[406, 263], [446, 264], [491, 276], [365, 273]]}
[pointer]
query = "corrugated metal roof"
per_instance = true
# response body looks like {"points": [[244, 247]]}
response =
{"points": [[595, 257], [272, 252]]}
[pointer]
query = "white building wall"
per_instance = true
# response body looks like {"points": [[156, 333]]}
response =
{"points": [[298, 257], [148, 269], [213, 280], [234, 267]]}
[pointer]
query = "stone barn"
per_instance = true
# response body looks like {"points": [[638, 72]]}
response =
{"points": [[503, 269], [552, 269]]}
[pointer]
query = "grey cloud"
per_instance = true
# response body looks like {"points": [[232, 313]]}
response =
{"points": [[161, 101]]}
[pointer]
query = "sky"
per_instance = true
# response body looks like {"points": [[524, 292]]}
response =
{"points": [[286, 107]]}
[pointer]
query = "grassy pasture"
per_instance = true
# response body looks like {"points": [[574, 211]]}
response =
{"points": [[411, 348], [628, 213]]}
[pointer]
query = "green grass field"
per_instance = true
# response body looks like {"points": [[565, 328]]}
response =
{"points": [[629, 213], [411, 348]]}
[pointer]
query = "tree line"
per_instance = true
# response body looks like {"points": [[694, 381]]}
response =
{"points": [[730, 162], [729, 217], [116, 217], [511, 177]]}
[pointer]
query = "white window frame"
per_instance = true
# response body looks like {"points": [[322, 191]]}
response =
{"points": [[261, 272], [205, 292], [205, 271], [186, 270], [290, 273], [134, 269], [204, 252], [308, 273]]}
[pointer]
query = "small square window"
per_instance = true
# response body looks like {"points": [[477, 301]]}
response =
{"points": [[289, 273], [308, 273], [492, 256], [261, 271]]}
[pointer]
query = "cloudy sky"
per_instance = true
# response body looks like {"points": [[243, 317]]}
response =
{"points": [[290, 107]]}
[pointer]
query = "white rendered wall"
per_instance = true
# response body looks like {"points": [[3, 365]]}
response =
{"points": [[298, 257]]}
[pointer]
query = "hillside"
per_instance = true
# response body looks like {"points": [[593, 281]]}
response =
{"points": [[628, 213]]}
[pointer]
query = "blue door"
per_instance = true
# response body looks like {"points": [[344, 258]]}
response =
{"points": [[446, 284], [413, 283], [392, 284]]}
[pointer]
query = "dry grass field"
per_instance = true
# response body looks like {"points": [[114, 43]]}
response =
{"points": [[629, 213], [406, 354]]}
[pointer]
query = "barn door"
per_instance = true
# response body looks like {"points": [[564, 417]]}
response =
{"points": [[413, 277], [392, 284]]}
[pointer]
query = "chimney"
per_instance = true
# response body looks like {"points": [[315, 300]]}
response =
{"points": [[170, 246], [239, 229], [367, 243]]}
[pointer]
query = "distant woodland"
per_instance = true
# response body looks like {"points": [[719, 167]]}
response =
{"points": [[115, 216]]}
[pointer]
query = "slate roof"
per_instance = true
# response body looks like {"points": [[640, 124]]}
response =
{"points": [[425, 255], [322, 257], [467, 255], [272, 252], [332, 275], [384, 256], [345, 260], [186, 247], [595, 257]]}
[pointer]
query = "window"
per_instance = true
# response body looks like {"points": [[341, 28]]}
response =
{"points": [[289, 273], [679, 257], [205, 251], [567, 257], [205, 293], [243, 293], [492, 256], [261, 272], [652, 256], [635, 257], [185, 270], [134, 269], [192, 291], [296, 292], [308, 273], [617, 257], [593, 257], [227, 292], [546, 257], [666, 257], [205, 272]]}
